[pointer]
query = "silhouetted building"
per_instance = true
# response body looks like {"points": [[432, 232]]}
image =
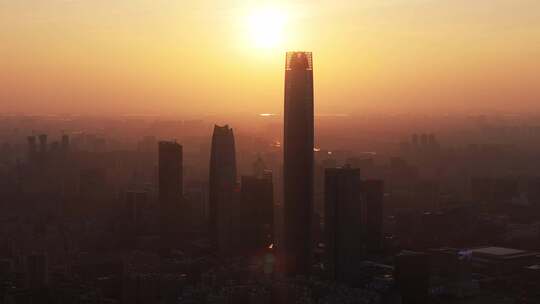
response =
{"points": [[412, 275], [500, 261], [32, 148], [256, 212], [343, 223], [373, 193], [92, 183], [298, 163], [414, 139], [43, 144], [170, 172], [64, 145], [135, 204], [222, 184], [37, 271], [259, 167], [424, 140], [170, 177]]}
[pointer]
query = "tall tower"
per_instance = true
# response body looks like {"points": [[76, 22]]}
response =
{"points": [[222, 183], [170, 183], [298, 164]]}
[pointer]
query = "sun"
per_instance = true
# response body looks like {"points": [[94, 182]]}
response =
{"points": [[266, 27]]}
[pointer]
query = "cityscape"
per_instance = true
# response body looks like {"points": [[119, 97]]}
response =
{"points": [[307, 204]]}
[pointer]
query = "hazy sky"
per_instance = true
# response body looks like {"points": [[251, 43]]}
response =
{"points": [[199, 56]]}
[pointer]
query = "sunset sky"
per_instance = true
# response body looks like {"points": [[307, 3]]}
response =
{"points": [[205, 57]]}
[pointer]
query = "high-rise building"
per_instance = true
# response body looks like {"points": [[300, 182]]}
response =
{"points": [[259, 167], [222, 185], [343, 223], [412, 276], [43, 143], [256, 212], [37, 271], [136, 202], [32, 147], [373, 192], [64, 146], [298, 164], [170, 175]]}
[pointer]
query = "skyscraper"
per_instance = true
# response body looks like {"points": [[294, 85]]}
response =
{"points": [[373, 192], [256, 210], [412, 276], [343, 223], [65, 145], [170, 175], [298, 163], [37, 271], [135, 205], [222, 184], [32, 148]]}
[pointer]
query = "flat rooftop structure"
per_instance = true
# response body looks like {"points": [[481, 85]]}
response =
{"points": [[502, 253], [501, 261]]}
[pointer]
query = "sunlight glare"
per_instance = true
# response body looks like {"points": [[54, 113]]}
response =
{"points": [[266, 27]]}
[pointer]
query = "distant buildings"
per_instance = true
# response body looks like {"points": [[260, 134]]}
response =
{"points": [[298, 163], [222, 184]]}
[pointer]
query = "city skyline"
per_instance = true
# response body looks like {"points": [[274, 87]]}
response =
{"points": [[392, 157]]}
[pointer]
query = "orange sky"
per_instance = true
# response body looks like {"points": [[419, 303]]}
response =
{"points": [[198, 57]]}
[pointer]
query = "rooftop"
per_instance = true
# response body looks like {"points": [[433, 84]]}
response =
{"points": [[501, 253]]}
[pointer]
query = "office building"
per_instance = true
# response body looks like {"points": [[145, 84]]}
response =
{"points": [[136, 202], [170, 172], [170, 175], [412, 276], [37, 271], [32, 148], [64, 145], [373, 193], [222, 184], [298, 164], [256, 212], [343, 223], [43, 144]]}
